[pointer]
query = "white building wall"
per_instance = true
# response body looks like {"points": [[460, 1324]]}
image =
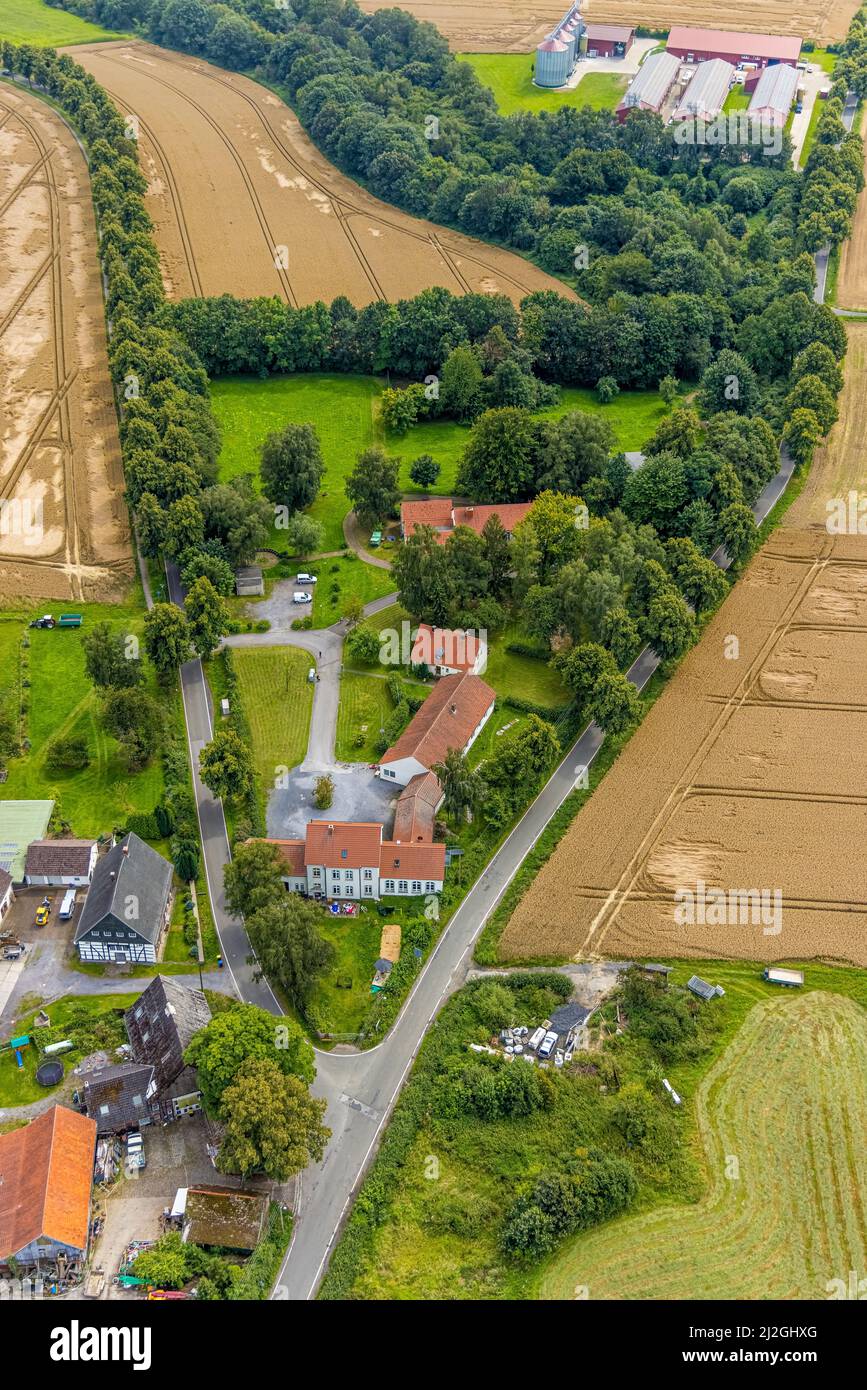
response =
{"points": [[402, 771]]}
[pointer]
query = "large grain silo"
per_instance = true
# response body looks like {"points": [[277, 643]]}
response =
{"points": [[553, 63]]}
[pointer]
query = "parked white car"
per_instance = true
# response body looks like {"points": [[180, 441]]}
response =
{"points": [[305, 578], [299, 596]]}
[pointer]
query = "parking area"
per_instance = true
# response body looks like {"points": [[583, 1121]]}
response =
{"points": [[46, 949], [177, 1156], [358, 796]]}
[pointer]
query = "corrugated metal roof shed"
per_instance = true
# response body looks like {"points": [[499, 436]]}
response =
{"points": [[652, 81], [775, 91], [706, 93]]}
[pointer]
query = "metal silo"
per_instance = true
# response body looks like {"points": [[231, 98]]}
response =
{"points": [[552, 63]]}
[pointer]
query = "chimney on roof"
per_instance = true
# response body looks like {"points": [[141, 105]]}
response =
{"points": [[126, 849], [469, 511], [453, 709], [112, 874], [331, 829]]}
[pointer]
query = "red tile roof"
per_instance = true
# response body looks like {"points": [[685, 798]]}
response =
{"points": [[436, 513], [443, 516], [416, 809], [412, 861], [293, 853], [327, 840], [46, 1173], [439, 646], [447, 719], [734, 41], [510, 513]]}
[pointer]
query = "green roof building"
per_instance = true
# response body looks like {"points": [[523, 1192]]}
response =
{"points": [[21, 822]]}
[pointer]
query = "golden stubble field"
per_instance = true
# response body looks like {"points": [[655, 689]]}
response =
{"points": [[244, 203], [748, 772], [505, 26], [64, 532]]}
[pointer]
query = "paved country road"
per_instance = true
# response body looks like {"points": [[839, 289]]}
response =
{"points": [[360, 1089]]}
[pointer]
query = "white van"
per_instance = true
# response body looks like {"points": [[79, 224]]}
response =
{"points": [[67, 907], [300, 597]]}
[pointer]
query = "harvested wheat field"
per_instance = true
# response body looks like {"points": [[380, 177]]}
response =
{"points": [[243, 202], [64, 532], [748, 773], [489, 26], [789, 1220], [823, 20]]}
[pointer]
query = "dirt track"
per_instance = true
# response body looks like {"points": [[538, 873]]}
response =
{"points": [[64, 532], [506, 26], [233, 179]]}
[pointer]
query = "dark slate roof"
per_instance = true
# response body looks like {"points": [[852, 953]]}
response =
{"points": [[130, 870], [5, 880], [567, 1016], [161, 1023], [68, 857], [116, 1097]]}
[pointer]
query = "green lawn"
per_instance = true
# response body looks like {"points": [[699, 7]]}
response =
{"points": [[365, 704], [277, 699], [634, 416], [522, 676], [815, 114], [737, 99], [62, 701], [821, 58], [339, 579], [18, 1085], [510, 78], [341, 408], [30, 21], [340, 998]]}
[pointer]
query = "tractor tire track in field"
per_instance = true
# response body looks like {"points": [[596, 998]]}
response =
{"points": [[787, 1217], [234, 149], [59, 452]]}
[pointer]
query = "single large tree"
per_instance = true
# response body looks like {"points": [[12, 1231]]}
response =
{"points": [[289, 945], [372, 486], [291, 466], [463, 786], [253, 877], [207, 617], [220, 1049], [272, 1123], [224, 764], [166, 639], [111, 657]]}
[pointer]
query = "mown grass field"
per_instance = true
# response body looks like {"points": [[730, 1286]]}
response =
{"points": [[345, 412], [30, 21], [510, 78], [277, 699], [633, 415], [786, 1102], [779, 1089], [62, 701], [342, 578], [341, 407], [523, 677]]}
